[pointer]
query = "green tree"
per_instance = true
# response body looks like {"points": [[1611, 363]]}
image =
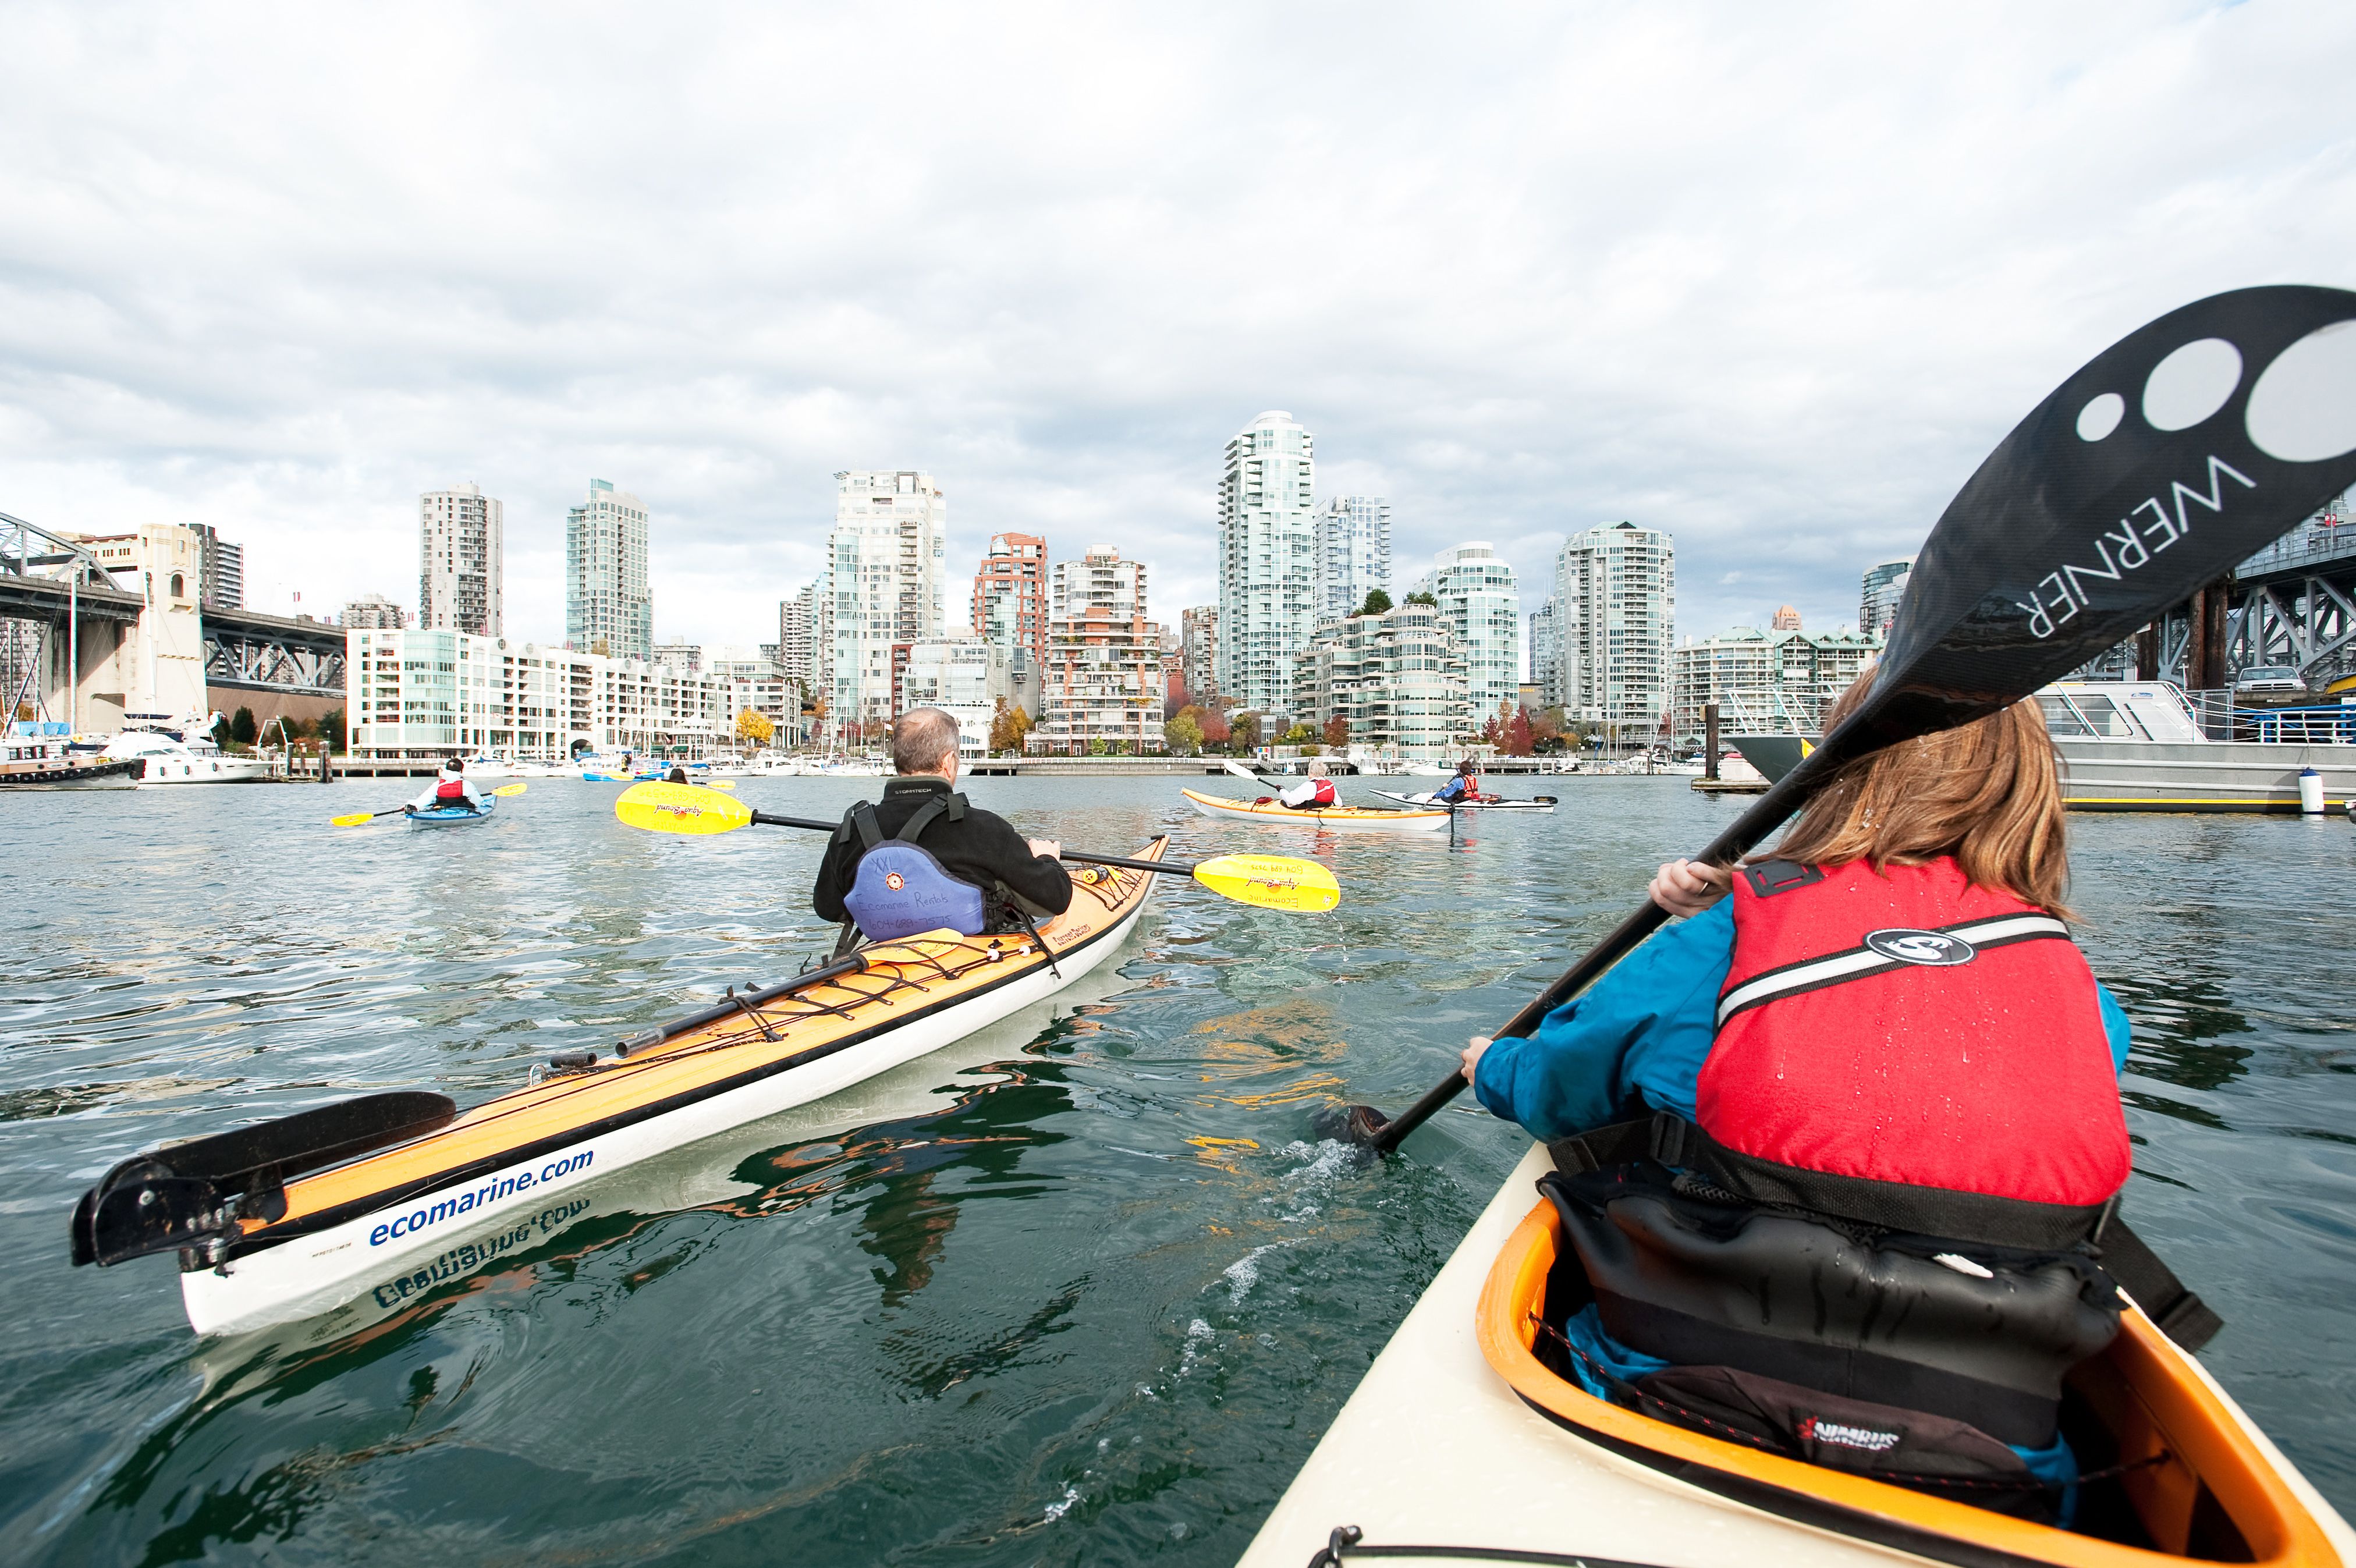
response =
{"points": [[1244, 731], [1377, 602], [1299, 734], [1423, 599], [331, 729], [241, 728], [1183, 734]]}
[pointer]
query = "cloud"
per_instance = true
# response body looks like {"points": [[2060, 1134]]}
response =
{"points": [[1773, 279]]}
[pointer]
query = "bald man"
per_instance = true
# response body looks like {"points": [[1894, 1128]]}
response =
{"points": [[971, 848]]}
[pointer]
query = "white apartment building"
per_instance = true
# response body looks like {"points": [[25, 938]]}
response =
{"points": [[374, 610], [886, 581], [1103, 683], [798, 635], [220, 570], [1098, 580], [608, 602], [1199, 651], [419, 693], [1546, 650], [1481, 602], [1398, 679], [1884, 588], [1354, 554], [1268, 561], [967, 678], [459, 533], [1615, 598], [1773, 681], [755, 678]]}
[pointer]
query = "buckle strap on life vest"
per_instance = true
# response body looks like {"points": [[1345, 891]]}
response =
{"points": [[1883, 950]]}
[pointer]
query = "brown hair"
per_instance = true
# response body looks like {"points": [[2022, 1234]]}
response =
{"points": [[1987, 793]]}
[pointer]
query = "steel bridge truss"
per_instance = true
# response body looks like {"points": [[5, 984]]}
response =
{"points": [[237, 656]]}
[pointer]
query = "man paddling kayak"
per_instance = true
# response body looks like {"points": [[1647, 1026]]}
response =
{"points": [[1840, 1147], [1464, 789], [971, 872], [451, 786]]}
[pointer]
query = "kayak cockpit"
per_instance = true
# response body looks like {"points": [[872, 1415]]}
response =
{"points": [[2175, 1472]]}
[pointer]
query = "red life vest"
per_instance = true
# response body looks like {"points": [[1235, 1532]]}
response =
{"points": [[1909, 1026], [1309, 794], [450, 789]]}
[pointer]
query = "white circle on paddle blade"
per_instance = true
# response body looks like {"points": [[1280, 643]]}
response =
{"points": [[2191, 385], [2303, 409], [2101, 416]]}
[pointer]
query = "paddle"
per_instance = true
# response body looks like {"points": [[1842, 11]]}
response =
{"points": [[361, 819], [2173, 454], [1265, 880]]}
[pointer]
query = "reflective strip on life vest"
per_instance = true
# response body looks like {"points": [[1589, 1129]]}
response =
{"points": [[1884, 951]]}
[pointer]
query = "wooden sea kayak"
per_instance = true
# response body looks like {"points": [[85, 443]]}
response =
{"points": [[1367, 819], [1460, 1438], [278, 1221]]}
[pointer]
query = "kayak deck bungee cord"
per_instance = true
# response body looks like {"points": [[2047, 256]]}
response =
{"points": [[285, 1218], [1384, 818], [1464, 1438]]}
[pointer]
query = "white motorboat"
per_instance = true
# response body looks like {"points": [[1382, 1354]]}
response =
{"points": [[181, 751]]}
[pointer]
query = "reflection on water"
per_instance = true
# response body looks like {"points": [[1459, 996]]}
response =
{"points": [[1080, 1290]]}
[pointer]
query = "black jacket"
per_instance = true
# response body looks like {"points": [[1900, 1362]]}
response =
{"points": [[982, 849]]}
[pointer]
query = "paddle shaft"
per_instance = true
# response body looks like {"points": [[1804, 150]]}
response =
{"points": [[769, 819]]}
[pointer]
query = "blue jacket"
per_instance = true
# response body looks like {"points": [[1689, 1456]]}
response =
{"points": [[1635, 1041]]}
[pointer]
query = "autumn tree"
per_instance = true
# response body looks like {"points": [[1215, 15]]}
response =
{"points": [[1009, 725], [1184, 731], [1338, 733], [754, 726], [1212, 722], [1518, 739], [1245, 731]]}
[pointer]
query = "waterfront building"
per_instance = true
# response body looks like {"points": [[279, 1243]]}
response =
{"points": [[754, 679], [797, 641], [1098, 580], [608, 602], [887, 572], [1546, 651], [1199, 651], [420, 693], [1786, 619], [1103, 683], [1354, 554], [1615, 597], [1268, 561], [681, 658], [220, 570], [1481, 602], [1773, 681], [459, 533], [967, 678], [1400, 681], [1010, 594], [374, 611], [1884, 588]]}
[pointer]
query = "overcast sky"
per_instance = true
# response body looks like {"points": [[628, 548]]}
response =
{"points": [[1773, 278]]}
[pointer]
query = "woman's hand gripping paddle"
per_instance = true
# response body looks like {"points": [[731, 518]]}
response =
{"points": [[2171, 456], [1264, 881], [361, 818]]}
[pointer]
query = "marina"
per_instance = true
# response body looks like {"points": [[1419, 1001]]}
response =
{"points": [[1114, 1217]]}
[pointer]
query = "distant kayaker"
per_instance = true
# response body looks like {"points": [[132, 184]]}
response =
{"points": [[451, 786], [677, 775], [923, 858], [1464, 787], [1846, 1141]]}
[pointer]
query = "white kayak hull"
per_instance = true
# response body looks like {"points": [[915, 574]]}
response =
{"points": [[1335, 820], [313, 1273], [1425, 799]]}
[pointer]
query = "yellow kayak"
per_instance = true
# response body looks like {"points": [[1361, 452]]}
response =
{"points": [[1346, 818]]}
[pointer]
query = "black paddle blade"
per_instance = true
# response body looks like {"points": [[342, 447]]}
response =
{"points": [[2165, 459], [1360, 1124]]}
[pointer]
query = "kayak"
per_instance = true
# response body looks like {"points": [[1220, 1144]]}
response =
{"points": [[451, 816], [1383, 819], [1494, 803], [1459, 1437], [279, 1221]]}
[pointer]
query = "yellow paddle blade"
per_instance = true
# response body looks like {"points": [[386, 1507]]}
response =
{"points": [[1271, 882], [511, 789], [357, 820], [681, 808]]}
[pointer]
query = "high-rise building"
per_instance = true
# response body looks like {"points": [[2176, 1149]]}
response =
{"points": [[1776, 682], [1786, 619], [1199, 651], [797, 638], [1546, 651], [1098, 580], [1616, 596], [1354, 554], [1396, 680], [1010, 594], [608, 604], [458, 532], [375, 612], [220, 571], [1885, 587], [1267, 560], [1481, 602], [887, 575]]}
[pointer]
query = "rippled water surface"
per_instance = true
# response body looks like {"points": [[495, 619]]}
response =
{"points": [[1080, 1290]]}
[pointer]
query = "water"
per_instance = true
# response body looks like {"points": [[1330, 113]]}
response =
{"points": [[1081, 1290]]}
